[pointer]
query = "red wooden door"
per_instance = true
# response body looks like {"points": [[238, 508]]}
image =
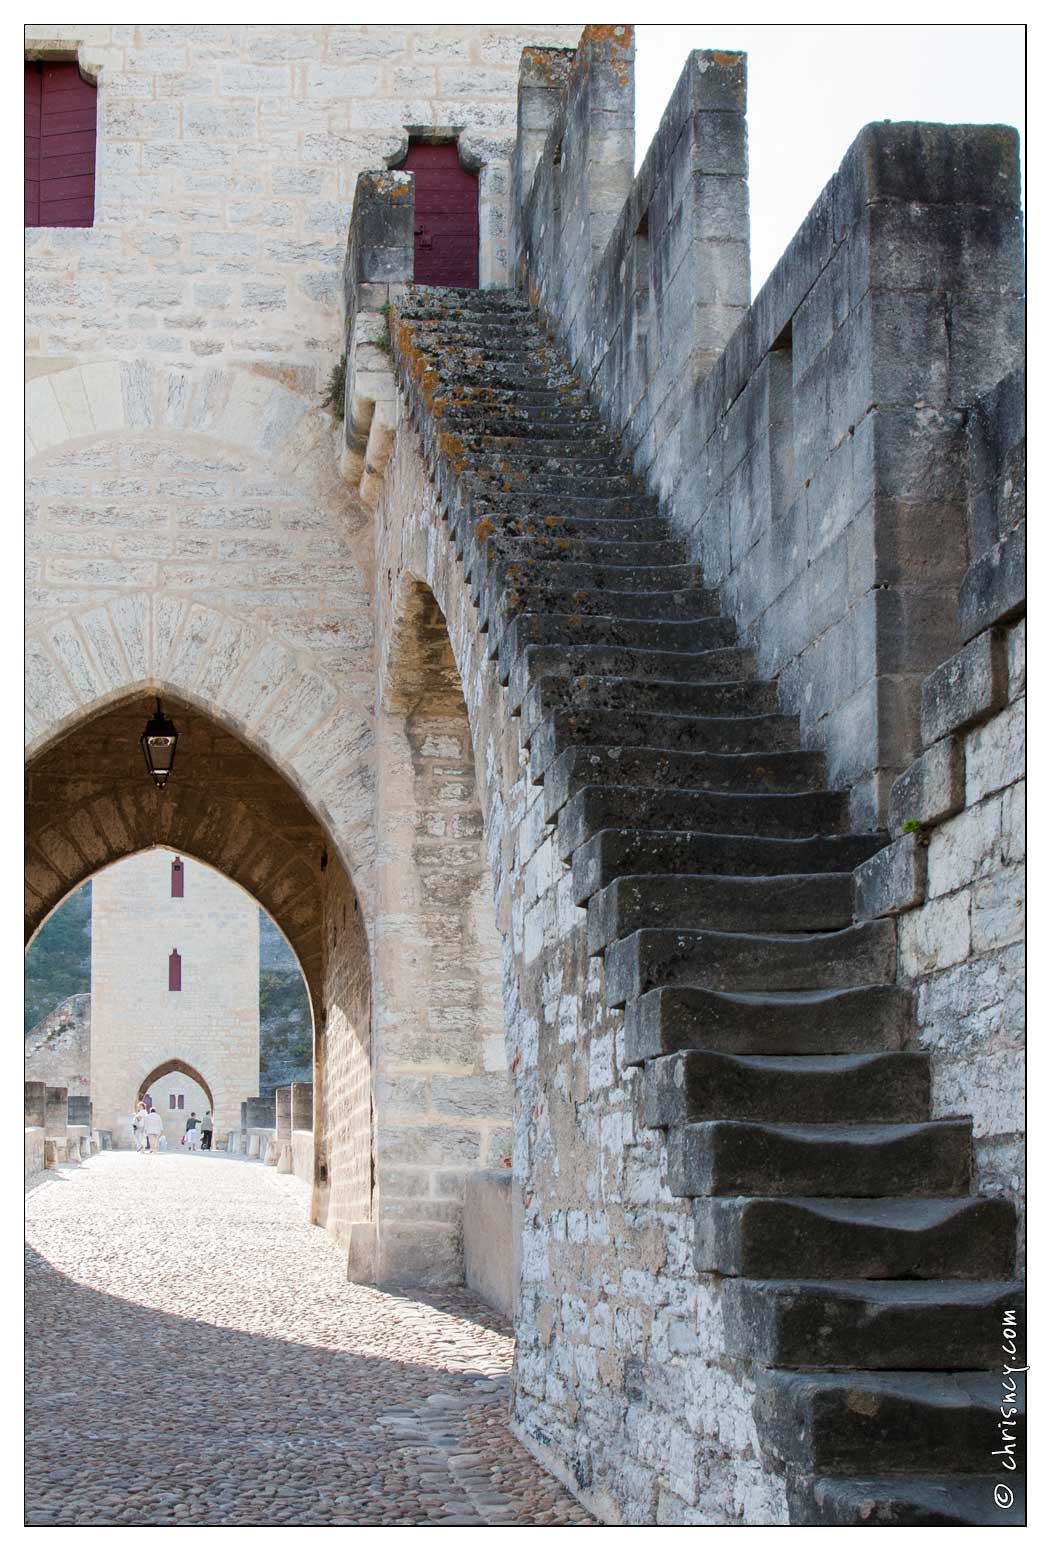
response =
{"points": [[446, 231], [60, 145]]}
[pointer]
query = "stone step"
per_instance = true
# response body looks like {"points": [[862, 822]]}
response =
{"points": [[898, 1502], [971, 1238], [721, 665], [699, 635], [841, 1022], [705, 1085], [758, 1158], [743, 697], [497, 544], [617, 852], [554, 487], [545, 595], [561, 418], [584, 463], [785, 815], [531, 443], [860, 955], [766, 734], [487, 497], [447, 299], [807, 902], [776, 773], [907, 1423], [873, 1325], [600, 530]]}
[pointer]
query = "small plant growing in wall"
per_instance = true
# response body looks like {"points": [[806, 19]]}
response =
{"points": [[911, 827], [383, 343], [336, 390]]}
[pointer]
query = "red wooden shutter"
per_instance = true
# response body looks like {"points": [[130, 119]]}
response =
{"points": [[60, 145], [34, 94], [446, 227], [177, 877], [174, 971]]}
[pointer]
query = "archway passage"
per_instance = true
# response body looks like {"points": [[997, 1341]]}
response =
{"points": [[167, 1067], [90, 803]]}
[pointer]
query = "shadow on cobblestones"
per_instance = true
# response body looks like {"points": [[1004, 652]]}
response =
{"points": [[384, 1410]]}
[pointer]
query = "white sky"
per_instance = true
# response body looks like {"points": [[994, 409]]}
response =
{"points": [[811, 88]]}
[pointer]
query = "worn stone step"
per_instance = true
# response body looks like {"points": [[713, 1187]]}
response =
{"points": [[497, 544], [743, 697], [905, 1423], [617, 765], [616, 852], [760, 1158], [554, 487], [781, 814], [860, 955], [721, 665], [513, 418], [700, 635], [927, 1325], [766, 734], [582, 464], [808, 902], [971, 1238], [531, 443], [546, 595], [841, 1022], [702, 1085], [487, 546], [898, 1502], [488, 497], [601, 530]]}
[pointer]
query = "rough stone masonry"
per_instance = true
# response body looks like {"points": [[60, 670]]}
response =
{"points": [[560, 706]]}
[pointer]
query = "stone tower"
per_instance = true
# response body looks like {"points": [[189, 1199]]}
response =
{"points": [[187, 1027]]}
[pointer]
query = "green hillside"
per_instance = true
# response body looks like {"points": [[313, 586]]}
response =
{"points": [[59, 962]]}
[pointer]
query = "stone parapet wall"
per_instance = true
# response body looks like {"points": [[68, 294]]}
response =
{"points": [[954, 876], [811, 448]]}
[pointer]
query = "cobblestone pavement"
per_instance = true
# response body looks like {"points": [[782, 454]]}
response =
{"points": [[195, 1356]]}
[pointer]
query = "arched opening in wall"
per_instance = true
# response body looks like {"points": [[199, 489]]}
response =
{"points": [[232, 818], [179, 1093], [442, 1083]]}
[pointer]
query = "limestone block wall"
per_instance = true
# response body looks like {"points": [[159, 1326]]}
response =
{"points": [[188, 528], [58, 1050], [343, 1118], [810, 447], [211, 1026], [954, 876]]}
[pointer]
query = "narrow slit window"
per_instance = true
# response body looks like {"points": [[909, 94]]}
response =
{"points": [[174, 971], [171, 1101], [182, 1101], [177, 878]]}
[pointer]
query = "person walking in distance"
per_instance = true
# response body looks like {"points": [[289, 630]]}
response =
{"points": [[191, 1135], [138, 1128], [206, 1131], [154, 1130]]}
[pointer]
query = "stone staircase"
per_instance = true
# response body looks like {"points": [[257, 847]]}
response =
{"points": [[864, 1278]]}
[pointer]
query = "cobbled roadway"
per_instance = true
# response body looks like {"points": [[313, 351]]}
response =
{"points": [[196, 1356]]}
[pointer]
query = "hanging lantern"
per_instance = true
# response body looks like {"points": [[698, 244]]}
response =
{"points": [[158, 746]]}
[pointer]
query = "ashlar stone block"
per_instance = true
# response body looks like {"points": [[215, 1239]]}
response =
{"points": [[932, 789], [968, 688]]}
